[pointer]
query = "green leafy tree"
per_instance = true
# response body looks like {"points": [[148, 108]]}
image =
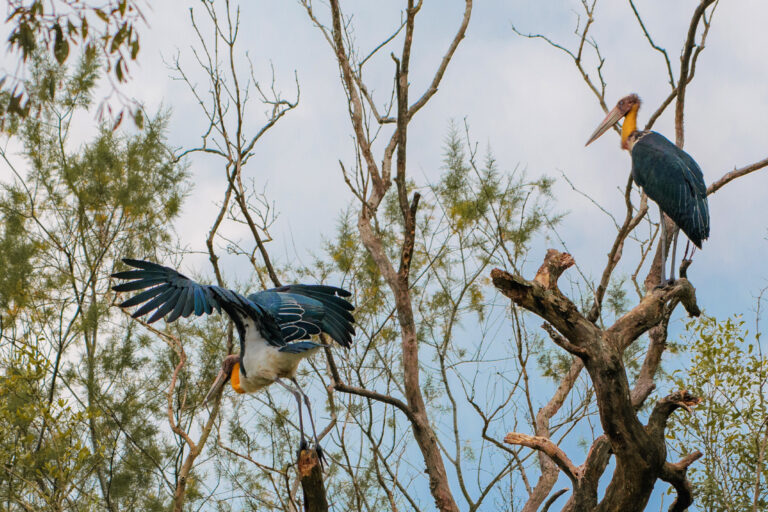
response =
{"points": [[81, 412], [55, 28], [728, 371]]}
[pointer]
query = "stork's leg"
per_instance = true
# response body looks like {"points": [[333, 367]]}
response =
{"points": [[309, 409], [663, 248], [318, 450], [674, 250], [297, 395]]}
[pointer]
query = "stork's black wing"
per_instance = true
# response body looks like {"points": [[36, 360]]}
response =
{"points": [[674, 181], [172, 295], [303, 310]]}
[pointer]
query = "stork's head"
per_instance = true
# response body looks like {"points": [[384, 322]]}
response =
{"points": [[626, 107], [230, 371]]}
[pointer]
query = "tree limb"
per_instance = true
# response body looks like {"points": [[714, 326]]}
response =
{"points": [[551, 305], [685, 61], [664, 408], [675, 474], [736, 173], [551, 449]]}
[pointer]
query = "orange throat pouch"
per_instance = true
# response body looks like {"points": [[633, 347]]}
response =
{"points": [[235, 378]]}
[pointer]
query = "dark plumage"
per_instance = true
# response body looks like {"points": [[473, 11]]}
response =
{"points": [[674, 181], [282, 315], [666, 173], [302, 310], [271, 324]]}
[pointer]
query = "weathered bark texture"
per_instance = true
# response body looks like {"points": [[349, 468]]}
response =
{"points": [[639, 450], [311, 474]]}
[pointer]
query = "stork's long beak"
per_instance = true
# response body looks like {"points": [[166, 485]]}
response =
{"points": [[611, 119], [221, 379]]}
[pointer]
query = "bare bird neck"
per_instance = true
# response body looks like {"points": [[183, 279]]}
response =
{"points": [[629, 126]]}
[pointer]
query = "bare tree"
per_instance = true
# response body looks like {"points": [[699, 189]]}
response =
{"points": [[639, 449], [376, 181], [227, 106]]}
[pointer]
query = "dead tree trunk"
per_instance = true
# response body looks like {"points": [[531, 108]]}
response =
{"points": [[312, 485], [640, 450]]}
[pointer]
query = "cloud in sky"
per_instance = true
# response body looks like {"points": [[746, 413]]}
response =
{"points": [[521, 97]]}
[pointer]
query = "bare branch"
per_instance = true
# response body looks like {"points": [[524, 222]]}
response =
{"points": [[685, 62], [675, 474], [340, 385], [654, 45], [577, 57], [736, 173], [614, 256], [562, 342], [555, 263], [551, 305], [657, 422], [444, 62], [652, 309], [551, 449], [553, 498]]}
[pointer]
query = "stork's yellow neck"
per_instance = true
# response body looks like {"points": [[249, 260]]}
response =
{"points": [[235, 378], [629, 126]]}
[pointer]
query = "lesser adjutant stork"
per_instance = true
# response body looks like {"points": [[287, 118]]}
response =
{"points": [[667, 174], [269, 323]]}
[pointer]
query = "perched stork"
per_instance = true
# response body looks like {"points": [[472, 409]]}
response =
{"points": [[270, 324], [667, 174]]}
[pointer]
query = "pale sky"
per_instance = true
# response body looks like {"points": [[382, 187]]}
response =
{"points": [[521, 97]]}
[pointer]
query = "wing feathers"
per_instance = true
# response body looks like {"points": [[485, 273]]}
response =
{"points": [[674, 181], [143, 296], [288, 313], [306, 310], [172, 295], [154, 303]]}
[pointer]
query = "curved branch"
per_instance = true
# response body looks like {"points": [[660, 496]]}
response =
{"points": [[551, 305], [551, 449], [340, 385], [675, 474], [656, 47], [553, 498], [736, 173], [685, 62], [664, 408], [652, 309]]}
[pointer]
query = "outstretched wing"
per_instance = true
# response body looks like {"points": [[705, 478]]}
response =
{"points": [[674, 181], [172, 295], [303, 310]]}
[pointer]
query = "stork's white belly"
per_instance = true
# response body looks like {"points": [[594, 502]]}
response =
{"points": [[263, 363]]}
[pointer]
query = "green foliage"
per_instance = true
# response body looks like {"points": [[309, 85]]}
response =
{"points": [[473, 217], [729, 372], [16, 253], [42, 446], [80, 398], [54, 28]]}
